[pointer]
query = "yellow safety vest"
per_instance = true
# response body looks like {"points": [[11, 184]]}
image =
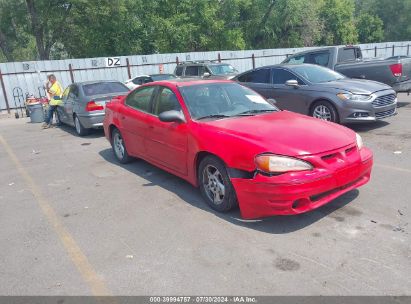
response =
{"points": [[56, 91]]}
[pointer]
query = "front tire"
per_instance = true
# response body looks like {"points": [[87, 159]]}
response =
{"points": [[119, 148], [325, 111], [215, 185], [80, 130]]}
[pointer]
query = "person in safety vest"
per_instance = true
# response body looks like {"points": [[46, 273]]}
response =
{"points": [[54, 92]]}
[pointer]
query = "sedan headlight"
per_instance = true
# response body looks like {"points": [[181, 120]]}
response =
{"points": [[360, 143], [354, 97], [271, 163]]}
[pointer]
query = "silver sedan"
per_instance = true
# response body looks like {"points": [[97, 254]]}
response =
{"points": [[84, 103]]}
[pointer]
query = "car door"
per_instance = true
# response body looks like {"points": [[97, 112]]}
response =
{"points": [[62, 115], [134, 117], [258, 80], [72, 102], [166, 142], [288, 97]]}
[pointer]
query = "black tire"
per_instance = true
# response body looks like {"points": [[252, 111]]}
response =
{"points": [[325, 110], [208, 188], [119, 148], [80, 130]]}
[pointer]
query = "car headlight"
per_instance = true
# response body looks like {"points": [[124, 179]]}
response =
{"points": [[354, 97], [360, 143], [271, 163]]}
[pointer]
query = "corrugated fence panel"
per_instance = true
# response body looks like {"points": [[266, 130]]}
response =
{"points": [[21, 78]]}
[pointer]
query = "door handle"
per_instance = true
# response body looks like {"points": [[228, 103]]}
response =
{"points": [[122, 117]]}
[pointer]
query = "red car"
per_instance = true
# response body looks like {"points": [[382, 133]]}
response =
{"points": [[237, 147]]}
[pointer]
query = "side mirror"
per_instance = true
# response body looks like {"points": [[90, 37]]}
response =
{"points": [[272, 101], [172, 116], [206, 74], [292, 83]]}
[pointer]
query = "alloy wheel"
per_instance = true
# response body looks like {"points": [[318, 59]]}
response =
{"points": [[118, 145], [213, 184], [322, 112]]}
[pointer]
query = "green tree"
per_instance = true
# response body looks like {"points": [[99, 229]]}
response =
{"points": [[339, 23], [370, 28]]}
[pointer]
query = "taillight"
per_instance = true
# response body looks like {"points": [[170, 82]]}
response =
{"points": [[396, 69], [93, 106]]}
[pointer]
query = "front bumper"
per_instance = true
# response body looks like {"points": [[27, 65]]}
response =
{"points": [[367, 111], [92, 120], [299, 192]]}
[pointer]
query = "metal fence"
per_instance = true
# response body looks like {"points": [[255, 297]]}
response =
{"points": [[20, 78]]}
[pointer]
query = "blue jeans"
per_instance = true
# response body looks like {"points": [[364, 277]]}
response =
{"points": [[50, 113]]}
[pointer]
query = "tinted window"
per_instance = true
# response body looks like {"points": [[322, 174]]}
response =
{"points": [[104, 88], [192, 70], [179, 71], [320, 58], [74, 91], [140, 99], [162, 77], [346, 54], [280, 76], [296, 59], [138, 81], [258, 76], [166, 101]]}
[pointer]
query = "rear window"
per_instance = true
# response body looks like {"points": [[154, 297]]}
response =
{"points": [[346, 55], [162, 77], [179, 71], [100, 88]]}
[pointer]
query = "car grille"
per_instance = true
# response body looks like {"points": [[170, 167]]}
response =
{"points": [[382, 101], [384, 114]]}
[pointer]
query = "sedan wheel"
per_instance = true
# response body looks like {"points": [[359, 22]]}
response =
{"points": [[119, 148], [215, 184], [325, 111], [81, 131]]}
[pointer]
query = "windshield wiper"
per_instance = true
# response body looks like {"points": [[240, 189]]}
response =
{"points": [[255, 112], [213, 116]]}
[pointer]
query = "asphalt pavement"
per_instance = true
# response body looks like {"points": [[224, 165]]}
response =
{"points": [[75, 222]]}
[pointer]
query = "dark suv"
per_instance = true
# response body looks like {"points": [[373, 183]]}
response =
{"points": [[205, 69]]}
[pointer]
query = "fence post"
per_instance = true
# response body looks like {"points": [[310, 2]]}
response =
{"points": [[71, 73], [393, 49], [4, 92], [253, 60], [219, 57], [128, 69], [375, 51], [177, 62]]}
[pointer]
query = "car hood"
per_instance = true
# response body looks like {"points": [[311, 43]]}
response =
{"points": [[357, 86], [285, 133]]}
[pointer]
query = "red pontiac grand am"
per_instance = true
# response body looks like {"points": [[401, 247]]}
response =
{"points": [[237, 147]]}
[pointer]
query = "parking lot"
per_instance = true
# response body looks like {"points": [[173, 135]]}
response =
{"points": [[75, 222]]}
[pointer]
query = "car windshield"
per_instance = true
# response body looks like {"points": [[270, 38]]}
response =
{"points": [[218, 100], [162, 77], [100, 88], [316, 74], [222, 69]]}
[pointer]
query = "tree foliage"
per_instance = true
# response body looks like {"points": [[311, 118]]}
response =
{"points": [[53, 29]]}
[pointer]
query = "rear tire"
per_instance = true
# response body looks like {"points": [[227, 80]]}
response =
{"points": [[119, 147], [80, 130], [215, 185], [325, 111]]}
